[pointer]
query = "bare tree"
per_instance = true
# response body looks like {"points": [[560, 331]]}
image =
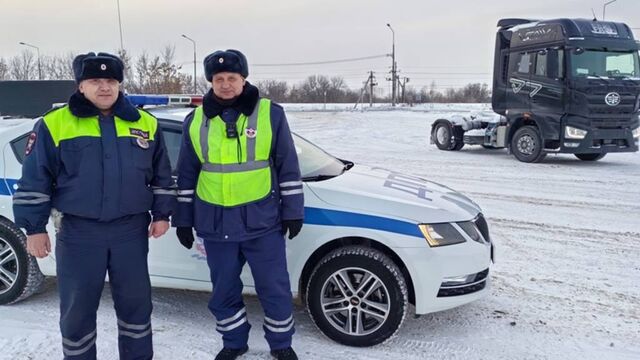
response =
{"points": [[58, 67], [202, 84], [4, 70], [159, 75], [23, 66], [128, 81], [274, 89]]}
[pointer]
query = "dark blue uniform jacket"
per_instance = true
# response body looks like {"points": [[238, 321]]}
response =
{"points": [[217, 223], [102, 178]]}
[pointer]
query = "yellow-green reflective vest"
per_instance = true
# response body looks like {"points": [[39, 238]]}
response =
{"points": [[63, 125], [235, 171]]}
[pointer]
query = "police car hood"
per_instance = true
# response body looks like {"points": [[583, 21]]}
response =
{"points": [[378, 191]]}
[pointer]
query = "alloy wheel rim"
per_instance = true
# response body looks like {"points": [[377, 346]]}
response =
{"points": [[355, 301], [9, 267]]}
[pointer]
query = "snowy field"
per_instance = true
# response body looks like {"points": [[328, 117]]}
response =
{"points": [[566, 284]]}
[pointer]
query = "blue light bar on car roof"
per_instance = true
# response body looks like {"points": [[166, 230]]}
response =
{"points": [[149, 100]]}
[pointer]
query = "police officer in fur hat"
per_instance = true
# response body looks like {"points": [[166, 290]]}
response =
{"points": [[102, 163], [239, 186]]}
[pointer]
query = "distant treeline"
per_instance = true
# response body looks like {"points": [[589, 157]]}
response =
{"points": [[159, 74]]}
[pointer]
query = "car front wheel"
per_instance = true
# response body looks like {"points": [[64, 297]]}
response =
{"points": [[20, 276], [357, 296]]}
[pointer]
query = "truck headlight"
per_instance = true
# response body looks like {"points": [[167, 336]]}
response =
{"points": [[636, 133], [574, 133], [441, 234]]}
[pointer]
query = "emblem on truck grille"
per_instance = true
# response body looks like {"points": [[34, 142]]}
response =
{"points": [[612, 99]]}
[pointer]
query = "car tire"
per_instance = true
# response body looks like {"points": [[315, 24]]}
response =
{"points": [[590, 157], [442, 134], [526, 145], [368, 311], [20, 276]]}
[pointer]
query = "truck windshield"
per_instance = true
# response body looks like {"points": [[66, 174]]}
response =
{"points": [[609, 64]]}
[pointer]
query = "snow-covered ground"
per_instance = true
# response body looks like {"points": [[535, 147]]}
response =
{"points": [[566, 284]]}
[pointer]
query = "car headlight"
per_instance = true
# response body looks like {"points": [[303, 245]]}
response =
{"points": [[441, 234], [636, 133], [574, 133], [471, 230]]}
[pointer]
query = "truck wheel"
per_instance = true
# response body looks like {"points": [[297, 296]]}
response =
{"points": [[442, 136], [526, 145], [20, 276], [357, 296], [590, 157]]}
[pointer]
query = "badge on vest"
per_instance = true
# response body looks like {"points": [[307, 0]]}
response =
{"points": [[143, 143], [251, 133], [140, 133]]}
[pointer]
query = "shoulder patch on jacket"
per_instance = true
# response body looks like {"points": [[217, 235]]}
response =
{"points": [[31, 141]]}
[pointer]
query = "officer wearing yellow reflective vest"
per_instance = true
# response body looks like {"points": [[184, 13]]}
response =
{"points": [[239, 186], [101, 163]]}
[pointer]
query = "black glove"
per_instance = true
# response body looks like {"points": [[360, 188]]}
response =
{"points": [[185, 235], [293, 226]]}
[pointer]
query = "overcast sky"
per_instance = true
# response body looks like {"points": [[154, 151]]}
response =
{"points": [[448, 41]]}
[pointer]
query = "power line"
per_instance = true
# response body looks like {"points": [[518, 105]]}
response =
{"points": [[445, 73], [325, 62]]}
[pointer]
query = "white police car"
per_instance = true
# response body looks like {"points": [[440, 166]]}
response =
{"points": [[374, 241]]}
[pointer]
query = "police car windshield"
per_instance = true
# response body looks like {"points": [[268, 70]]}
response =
{"points": [[315, 163]]}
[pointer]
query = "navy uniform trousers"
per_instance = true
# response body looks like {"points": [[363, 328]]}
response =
{"points": [[266, 256], [87, 250]]}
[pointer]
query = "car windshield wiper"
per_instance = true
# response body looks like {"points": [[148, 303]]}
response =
{"points": [[319, 177]]}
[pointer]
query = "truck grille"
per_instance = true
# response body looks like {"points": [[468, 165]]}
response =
{"points": [[612, 123], [598, 108]]}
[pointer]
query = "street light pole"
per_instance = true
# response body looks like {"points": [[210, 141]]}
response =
{"points": [[195, 86], [120, 26], [393, 66], [604, 7], [37, 52]]}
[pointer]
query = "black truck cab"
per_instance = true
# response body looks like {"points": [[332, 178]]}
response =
{"points": [[567, 85]]}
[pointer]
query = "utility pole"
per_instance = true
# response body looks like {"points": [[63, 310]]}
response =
{"points": [[372, 82], [393, 66], [404, 82], [195, 86]]}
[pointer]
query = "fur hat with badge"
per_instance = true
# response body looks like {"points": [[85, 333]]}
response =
{"points": [[100, 66], [225, 61]]}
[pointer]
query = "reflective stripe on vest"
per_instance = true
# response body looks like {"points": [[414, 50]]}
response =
{"points": [[234, 171], [63, 125]]}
